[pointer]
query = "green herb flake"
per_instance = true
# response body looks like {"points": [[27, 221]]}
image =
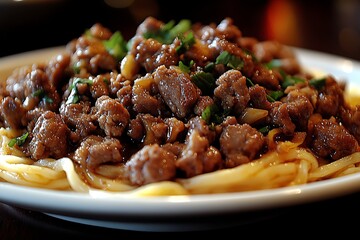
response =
{"points": [[318, 83], [74, 96], [186, 68], [274, 63], [40, 93], [18, 140], [169, 31], [230, 60], [186, 43], [116, 46], [205, 81], [290, 81], [273, 96], [249, 82], [213, 115], [264, 130]]}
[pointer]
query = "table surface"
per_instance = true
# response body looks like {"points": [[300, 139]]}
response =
{"points": [[332, 27]]}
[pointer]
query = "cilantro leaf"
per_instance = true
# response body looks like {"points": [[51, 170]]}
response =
{"points": [[18, 140]]}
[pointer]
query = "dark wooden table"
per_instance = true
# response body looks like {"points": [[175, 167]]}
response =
{"points": [[328, 26]]}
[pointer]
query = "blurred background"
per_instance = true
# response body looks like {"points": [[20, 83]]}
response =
{"points": [[331, 26]]}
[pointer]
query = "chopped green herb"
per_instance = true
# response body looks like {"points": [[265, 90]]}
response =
{"points": [[74, 94], [318, 83], [249, 82], [40, 93], [106, 81], [116, 46], [213, 115], [230, 60], [209, 67], [169, 31], [274, 63], [186, 68], [186, 43], [205, 81], [290, 81], [272, 96], [18, 140], [264, 130]]}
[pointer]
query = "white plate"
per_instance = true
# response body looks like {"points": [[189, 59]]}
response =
{"points": [[180, 213]]}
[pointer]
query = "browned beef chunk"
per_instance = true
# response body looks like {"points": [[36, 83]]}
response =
{"points": [[266, 77], [232, 91], [79, 118], [279, 117], [57, 68], [111, 115], [135, 129], [351, 120], [202, 103], [198, 156], [330, 98], [151, 54], [91, 56], [49, 137], [32, 86], [240, 144], [99, 31], [331, 140], [100, 86], [258, 97], [151, 164], [146, 98], [150, 24], [155, 129], [300, 109], [175, 128], [177, 90], [13, 113], [95, 150]]}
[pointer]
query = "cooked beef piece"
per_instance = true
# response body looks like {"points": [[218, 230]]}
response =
{"points": [[232, 91], [177, 90], [330, 98], [12, 113], [49, 138], [111, 115], [95, 150], [198, 156], [240, 144], [79, 119], [331, 140], [151, 164]]}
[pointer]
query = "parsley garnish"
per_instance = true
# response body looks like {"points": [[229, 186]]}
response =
{"points": [[186, 43], [186, 68], [74, 96], [205, 81], [290, 81], [169, 31], [213, 115], [273, 96], [230, 60], [18, 140], [116, 46], [318, 83], [40, 93]]}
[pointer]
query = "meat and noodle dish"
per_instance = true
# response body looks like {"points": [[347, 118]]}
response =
{"points": [[180, 108]]}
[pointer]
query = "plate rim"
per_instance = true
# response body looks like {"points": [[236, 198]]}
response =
{"points": [[174, 205]]}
